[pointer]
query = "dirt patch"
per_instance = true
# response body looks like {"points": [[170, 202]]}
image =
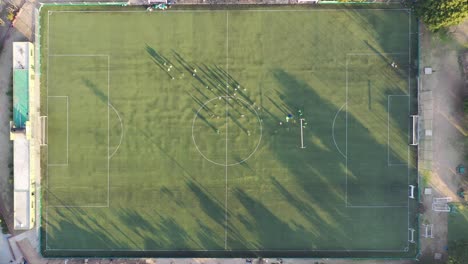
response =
{"points": [[447, 84]]}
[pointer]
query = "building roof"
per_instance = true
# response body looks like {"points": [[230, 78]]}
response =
{"points": [[22, 183], [21, 215], [20, 97], [21, 166], [20, 55]]}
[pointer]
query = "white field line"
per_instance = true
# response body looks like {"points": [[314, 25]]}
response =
{"points": [[389, 97], [376, 206], [78, 206], [227, 121], [108, 141], [79, 55], [192, 11], [346, 149], [108, 130], [373, 54], [121, 129], [409, 109], [222, 250], [219, 163], [108, 118], [47, 113], [333, 130], [246, 10], [346, 137]]}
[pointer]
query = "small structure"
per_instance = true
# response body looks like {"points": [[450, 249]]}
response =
{"points": [[428, 191], [427, 70], [415, 129], [441, 204], [411, 235], [20, 133], [411, 191], [428, 230], [428, 133]]}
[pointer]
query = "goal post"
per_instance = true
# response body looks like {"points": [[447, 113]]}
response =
{"points": [[152, 2], [411, 191], [428, 231], [411, 235], [414, 134]]}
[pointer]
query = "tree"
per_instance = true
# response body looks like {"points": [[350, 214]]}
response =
{"points": [[438, 14]]}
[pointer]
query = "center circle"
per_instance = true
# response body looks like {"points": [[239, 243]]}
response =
{"points": [[227, 130]]}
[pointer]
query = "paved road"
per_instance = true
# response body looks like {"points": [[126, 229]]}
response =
{"points": [[5, 254]]}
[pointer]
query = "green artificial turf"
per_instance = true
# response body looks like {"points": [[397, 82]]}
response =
{"points": [[167, 132]]}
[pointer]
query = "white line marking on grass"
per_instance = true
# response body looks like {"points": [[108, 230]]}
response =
{"points": [[245, 10], [346, 137], [78, 55], [222, 250], [108, 136], [224, 164], [122, 131], [78, 206], [388, 118], [333, 130], [47, 113], [108, 130], [376, 206], [227, 121], [409, 110], [373, 54]]}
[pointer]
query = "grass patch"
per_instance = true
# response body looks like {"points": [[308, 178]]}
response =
{"points": [[184, 139], [457, 234]]}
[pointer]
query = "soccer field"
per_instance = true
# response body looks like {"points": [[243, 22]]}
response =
{"points": [[272, 131]]}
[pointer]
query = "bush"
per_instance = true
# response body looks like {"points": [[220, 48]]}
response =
{"points": [[3, 225], [438, 14], [458, 252], [465, 107]]}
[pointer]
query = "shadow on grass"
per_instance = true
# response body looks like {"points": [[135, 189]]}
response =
{"points": [[96, 91]]}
